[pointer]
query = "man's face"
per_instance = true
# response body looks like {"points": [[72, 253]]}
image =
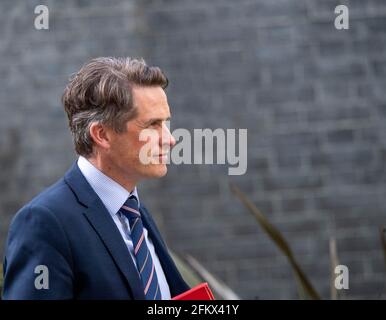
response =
{"points": [[124, 151]]}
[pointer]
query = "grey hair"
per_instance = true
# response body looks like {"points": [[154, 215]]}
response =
{"points": [[102, 92]]}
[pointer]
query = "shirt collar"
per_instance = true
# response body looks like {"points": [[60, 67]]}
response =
{"points": [[112, 194]]}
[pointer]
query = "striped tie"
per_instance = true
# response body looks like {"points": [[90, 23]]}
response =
{"points": [[142, 254]]}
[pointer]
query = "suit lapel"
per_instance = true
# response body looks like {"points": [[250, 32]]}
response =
{"points": [[103, 224], [105, 227]]}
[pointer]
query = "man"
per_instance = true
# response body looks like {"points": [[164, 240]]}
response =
{"points": [[89, 236]]}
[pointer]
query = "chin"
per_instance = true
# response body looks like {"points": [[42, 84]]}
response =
{"points": [[157, 171]]}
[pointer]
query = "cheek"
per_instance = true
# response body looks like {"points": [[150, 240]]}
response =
{"points": [[152, 140], [138, 148], [126, 146], [138, 145]]}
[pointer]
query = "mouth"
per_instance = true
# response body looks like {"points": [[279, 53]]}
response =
{"points": [[162, 157]]}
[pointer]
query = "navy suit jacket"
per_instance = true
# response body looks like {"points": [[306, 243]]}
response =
{"points": [[68, 229]]}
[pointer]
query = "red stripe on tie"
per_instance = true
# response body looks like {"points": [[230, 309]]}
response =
{"points": [[139, 243], [150, 278], [131, 210]]}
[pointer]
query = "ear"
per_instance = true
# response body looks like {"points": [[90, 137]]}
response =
{"points": [[100, 135]]}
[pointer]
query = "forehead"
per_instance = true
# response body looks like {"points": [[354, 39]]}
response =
{"points": [[151, 102]]}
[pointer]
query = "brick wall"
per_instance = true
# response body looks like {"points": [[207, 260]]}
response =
{"points": [[311, 97]]}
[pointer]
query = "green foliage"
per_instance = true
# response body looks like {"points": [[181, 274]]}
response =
{"points": [[1, 280], [305, 288], [189, 275], [383, 241], [194, 273]]}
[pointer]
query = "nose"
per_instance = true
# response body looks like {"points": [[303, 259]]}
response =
{"points": [[167, 137]]}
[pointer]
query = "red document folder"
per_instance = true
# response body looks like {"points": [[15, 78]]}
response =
{"points": [[200, 292]]}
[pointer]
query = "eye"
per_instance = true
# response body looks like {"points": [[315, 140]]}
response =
{"points": [[155, 123]]}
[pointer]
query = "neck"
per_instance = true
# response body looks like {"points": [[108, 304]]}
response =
{"points": [[109, 170]]}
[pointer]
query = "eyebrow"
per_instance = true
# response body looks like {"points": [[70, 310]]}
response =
{"points": [[156, 119]]}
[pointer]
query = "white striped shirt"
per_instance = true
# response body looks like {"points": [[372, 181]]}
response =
{"points": [[113, 196]]}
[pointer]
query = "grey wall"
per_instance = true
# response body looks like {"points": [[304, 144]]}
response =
{"points": [[311, 97]]}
